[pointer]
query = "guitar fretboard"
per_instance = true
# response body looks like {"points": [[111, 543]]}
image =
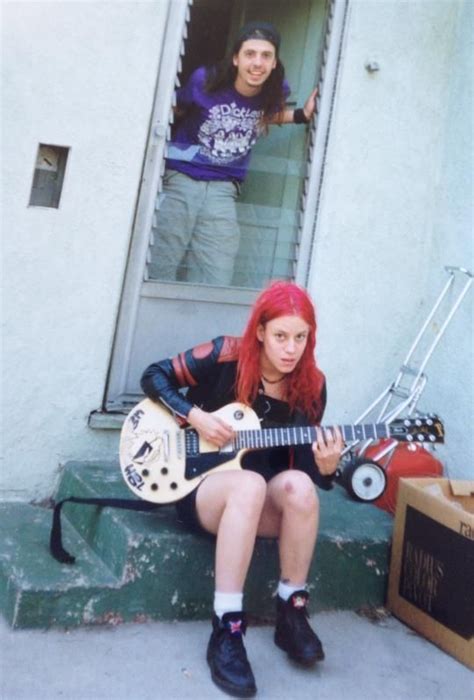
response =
{"points": [[304, 435]]}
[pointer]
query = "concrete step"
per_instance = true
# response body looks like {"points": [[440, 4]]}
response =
{"points": [[37, 591], [139, 566]]}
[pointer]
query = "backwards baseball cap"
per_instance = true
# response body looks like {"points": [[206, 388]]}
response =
{"points": [[259, 30]]}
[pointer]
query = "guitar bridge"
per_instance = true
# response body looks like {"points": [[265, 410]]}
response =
{"points": [[166, 445]]}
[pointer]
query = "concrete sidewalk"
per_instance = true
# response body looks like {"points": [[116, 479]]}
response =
{"points": [[364, 660]]}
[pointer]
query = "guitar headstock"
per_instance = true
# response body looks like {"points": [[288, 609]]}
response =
{"points": [[420, 429]]}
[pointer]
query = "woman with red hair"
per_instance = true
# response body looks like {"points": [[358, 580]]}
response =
{"points": [[272, 368]]}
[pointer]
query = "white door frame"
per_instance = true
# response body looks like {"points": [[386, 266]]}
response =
{"points": [[333, 45], [171, 51]]}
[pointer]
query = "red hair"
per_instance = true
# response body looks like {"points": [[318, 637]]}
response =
{"points": [[306, 380]]}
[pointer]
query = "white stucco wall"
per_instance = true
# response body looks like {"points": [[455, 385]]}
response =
{"points": [[396, 207], [452, 371], [82, 75]]}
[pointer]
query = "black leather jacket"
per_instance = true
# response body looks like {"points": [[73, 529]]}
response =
{"points": [[205, 376]]}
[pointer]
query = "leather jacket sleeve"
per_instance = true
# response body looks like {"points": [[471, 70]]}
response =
{"points": [[163, 381]]}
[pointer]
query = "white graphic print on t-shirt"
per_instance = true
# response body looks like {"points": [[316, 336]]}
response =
{"points": [[229, 132]]}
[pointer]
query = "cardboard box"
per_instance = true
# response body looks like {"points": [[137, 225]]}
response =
{"points": [[431, 581]]}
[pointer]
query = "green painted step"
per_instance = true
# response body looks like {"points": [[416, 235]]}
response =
{"points": [[35, 590], [138, 566]]}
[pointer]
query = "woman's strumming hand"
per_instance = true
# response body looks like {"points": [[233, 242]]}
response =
{"points": [[210, 427]]}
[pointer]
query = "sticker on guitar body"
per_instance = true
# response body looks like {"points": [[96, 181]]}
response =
{"points": [[133, 478]]}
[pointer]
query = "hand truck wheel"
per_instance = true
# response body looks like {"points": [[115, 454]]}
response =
{"points": [[364, 479]]}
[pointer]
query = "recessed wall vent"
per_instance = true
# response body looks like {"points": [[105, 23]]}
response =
{"points": [[48, 176]]}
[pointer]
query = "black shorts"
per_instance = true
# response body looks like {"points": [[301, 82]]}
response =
{"points": [[267, 463], [187, 514]]}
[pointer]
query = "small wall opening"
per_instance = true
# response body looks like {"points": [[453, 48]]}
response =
{"points": [[48, 177]]}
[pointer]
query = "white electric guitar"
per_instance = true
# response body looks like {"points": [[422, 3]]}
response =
{"points": [[162, 462]]}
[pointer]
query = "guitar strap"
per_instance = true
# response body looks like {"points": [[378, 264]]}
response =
{"points": [[55, 542]]}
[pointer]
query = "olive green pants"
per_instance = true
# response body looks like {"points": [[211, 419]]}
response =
{"points": [[195, 232]]}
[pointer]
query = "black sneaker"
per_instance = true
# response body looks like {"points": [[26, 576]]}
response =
{"points": [[227, 658], [293, 633]]}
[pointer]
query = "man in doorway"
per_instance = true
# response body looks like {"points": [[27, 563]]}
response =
{"points": [[220, 114]]}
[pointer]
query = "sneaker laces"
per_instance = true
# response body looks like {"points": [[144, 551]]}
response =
{"points": [[299, 613], [232, 631]]}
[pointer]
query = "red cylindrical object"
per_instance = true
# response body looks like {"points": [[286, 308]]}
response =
{"points": [[407, 460]]}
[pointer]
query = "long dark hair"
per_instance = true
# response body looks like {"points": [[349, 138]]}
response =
{"points": [[223, 74]]}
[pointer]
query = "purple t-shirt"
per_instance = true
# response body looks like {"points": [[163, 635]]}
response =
{"points": [[214, 139]]}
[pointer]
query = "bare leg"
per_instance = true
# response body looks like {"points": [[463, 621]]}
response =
{"points": [[291, 513], [229, 505]]}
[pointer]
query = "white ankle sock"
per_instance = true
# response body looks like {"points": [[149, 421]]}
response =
{"points": [[285, 590], [227, 602]]}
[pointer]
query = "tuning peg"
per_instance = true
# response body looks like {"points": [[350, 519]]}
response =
{"points": [[410, 438], [432, 438], [407, 422], [429, 421], [418, 422], [421, 437]]}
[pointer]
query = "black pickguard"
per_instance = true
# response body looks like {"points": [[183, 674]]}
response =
{"points": [[199, 464]]}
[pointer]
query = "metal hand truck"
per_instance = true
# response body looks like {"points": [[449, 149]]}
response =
{"points": [[365, 479]]}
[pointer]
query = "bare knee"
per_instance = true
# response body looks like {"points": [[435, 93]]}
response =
{"points": [[250, 493], [299, 492]]}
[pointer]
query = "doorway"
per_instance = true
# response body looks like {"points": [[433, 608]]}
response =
{"points": [[160, 317], [268, 208]]}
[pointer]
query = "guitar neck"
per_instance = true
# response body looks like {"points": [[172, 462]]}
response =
{"points": [[304, 435]]}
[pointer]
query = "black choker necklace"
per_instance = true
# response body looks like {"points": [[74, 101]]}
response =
{"points": [[273, 381]]}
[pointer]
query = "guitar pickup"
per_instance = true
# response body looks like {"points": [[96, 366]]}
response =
{"points": [[179, 441]]}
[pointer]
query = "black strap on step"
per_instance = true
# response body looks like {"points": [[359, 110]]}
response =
{"points": [[55, 542]]}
